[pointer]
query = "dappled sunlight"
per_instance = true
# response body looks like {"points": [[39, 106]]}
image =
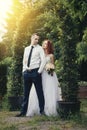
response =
{"points": [[4, 9]]}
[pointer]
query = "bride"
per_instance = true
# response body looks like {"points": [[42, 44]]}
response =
{"points": [[51, 89]]}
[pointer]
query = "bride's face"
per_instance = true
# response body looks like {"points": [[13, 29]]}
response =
{"points": [[45, 45]]}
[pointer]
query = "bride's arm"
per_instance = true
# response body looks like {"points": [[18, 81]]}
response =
{"points": [[52, 58]]}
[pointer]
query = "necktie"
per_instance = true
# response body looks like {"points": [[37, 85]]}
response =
{"points": [[29, 58]]}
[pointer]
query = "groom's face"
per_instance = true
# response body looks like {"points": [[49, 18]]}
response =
{"points": [[34, 39]]}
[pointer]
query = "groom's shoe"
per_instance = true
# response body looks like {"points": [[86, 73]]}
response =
{"points": [[20, 115], [43, 113]]}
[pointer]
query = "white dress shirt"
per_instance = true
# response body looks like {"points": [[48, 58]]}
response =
{"points": [[37, 58]]}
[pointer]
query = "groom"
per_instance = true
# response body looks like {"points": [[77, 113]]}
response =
{"points": [[33, 64]]}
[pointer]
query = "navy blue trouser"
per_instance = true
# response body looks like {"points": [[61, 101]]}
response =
{"points": [[32, 77]]}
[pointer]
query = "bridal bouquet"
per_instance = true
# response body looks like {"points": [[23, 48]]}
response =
{"points": [[50, 68]]}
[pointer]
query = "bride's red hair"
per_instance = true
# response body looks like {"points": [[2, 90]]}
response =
{"points": [[50, 49]]}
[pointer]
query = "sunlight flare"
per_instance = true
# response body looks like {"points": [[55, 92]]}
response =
{"points": [[4, 9]]}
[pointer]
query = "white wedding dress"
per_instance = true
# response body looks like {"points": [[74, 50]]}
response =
{"points": [[52, 93]]}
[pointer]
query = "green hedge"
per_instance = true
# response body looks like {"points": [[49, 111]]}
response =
{"points": [[3, 79]]}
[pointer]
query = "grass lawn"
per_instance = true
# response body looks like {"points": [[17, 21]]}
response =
{"points": [[8, 121]]}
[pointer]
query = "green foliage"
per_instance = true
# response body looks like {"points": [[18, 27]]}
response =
{"points": [[4, 64], [83, 70], [15, 87], [3, 79], [14, 76], [3, 75], [82, 48], [58, 69], [83, 83], [69, 78], [2, 51]]}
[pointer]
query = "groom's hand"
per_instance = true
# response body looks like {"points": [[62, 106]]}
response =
{"points": [[39, 73]]}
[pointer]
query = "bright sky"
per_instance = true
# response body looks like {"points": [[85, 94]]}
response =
{"points": [[4, 8]]}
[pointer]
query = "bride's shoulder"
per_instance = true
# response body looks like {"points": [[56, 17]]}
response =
{"points": [[51, 56]]}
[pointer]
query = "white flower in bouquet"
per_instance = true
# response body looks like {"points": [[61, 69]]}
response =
{"points": [[50, 68]]}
